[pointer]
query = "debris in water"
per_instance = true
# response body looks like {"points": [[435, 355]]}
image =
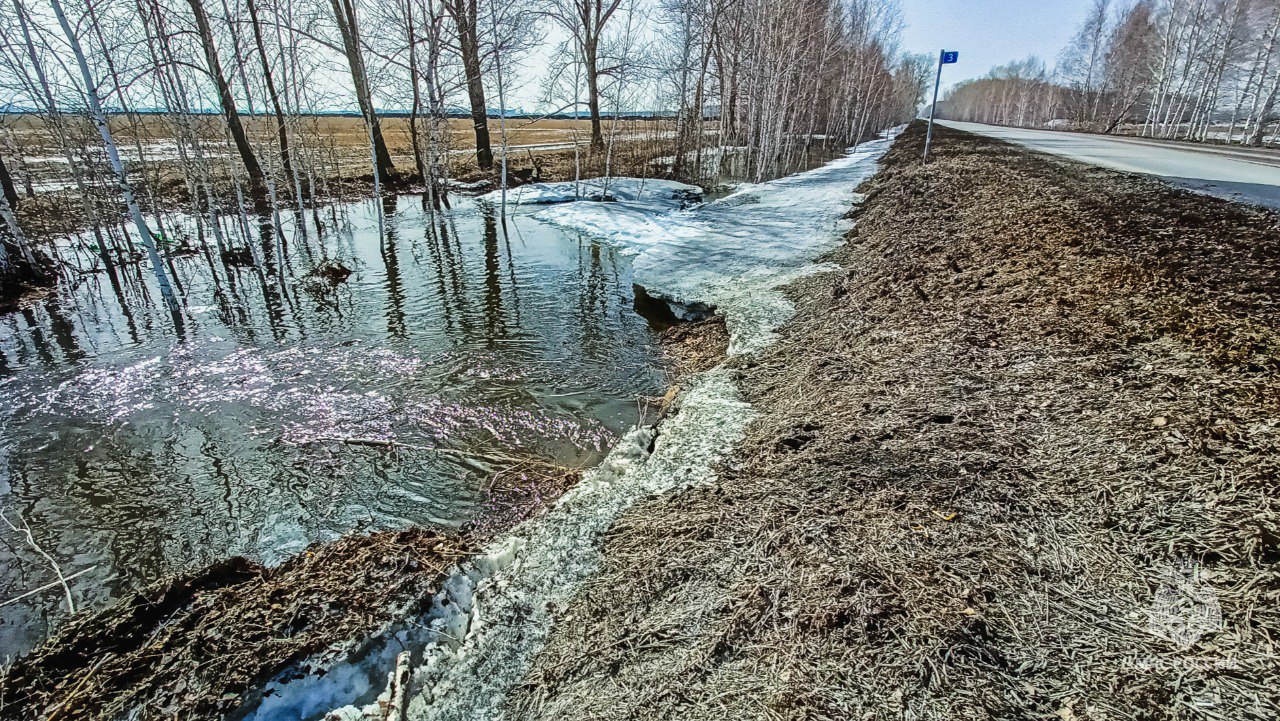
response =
{"points": [[332, 271], [242, 257]]}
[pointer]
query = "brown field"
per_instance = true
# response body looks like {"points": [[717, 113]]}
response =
{"points": [[28, 141], [31, 133], [335, 148]]}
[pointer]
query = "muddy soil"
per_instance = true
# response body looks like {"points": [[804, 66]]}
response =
{"points": [[198, 646], [1017, 459], [190, 647]]}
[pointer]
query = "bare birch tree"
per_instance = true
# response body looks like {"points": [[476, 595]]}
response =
{"points": [[586, 21], [99, 117]]}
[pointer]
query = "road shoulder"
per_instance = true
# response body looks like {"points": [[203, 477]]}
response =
{"points": [[1016, 458]]}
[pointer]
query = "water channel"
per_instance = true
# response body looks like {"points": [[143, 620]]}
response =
{"points": [[137, 445]]}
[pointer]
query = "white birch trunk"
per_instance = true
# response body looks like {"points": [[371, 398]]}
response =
{"points": [[113, 156]]}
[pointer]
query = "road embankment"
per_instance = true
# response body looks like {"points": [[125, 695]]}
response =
{"points": [[1017, 458]]}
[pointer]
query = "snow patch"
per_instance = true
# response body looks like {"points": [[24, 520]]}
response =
{"points": [[644, 192], [474, 187], [736, 252]]}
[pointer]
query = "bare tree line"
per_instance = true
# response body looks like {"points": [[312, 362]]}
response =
{"points": [[779, 77], [217, 102], [1200, 70]]}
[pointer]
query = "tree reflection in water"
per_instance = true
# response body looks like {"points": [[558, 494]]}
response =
{"points": [[147, 444]]}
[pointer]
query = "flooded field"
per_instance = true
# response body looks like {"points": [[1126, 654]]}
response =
{"points": [[136, 444]]}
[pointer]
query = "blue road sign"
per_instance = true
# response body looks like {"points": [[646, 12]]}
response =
{"points": [[948, 57]]}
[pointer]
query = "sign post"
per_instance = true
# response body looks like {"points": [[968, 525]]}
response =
{"points": [[948, 57]]}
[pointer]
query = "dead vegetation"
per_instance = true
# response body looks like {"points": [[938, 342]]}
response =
{"points": [[517, 492], [695, 347], [190, 647], [1017, 460]]}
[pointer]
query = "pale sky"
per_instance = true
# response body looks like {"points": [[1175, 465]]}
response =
{"points": [[990, 32]]}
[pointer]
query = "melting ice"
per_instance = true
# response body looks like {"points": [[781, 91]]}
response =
{"points": [[736, 251], [488, 624]]}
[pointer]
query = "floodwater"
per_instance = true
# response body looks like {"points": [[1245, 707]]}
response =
{"points": [[487, 625], [137, 445]]}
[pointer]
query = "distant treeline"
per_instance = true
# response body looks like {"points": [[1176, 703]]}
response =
{"points": [[1186, 69], [453, 113]]}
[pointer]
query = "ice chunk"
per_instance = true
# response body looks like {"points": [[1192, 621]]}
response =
{"points": [[733, 253], [653, 193]]}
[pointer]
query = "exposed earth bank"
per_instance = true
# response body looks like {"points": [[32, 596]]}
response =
{"points": [[1017, 459]]}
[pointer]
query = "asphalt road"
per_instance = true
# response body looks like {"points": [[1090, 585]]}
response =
{"points": [[1240, 174]]}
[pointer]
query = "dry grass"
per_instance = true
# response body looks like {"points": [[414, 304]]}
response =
{"points": [[1010, 464], [695, 347]]}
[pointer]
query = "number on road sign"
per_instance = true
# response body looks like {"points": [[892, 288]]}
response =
{"points": [[950, 56]]}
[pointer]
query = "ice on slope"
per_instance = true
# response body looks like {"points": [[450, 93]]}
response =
{"points": [[736, 251], [517, 601]]}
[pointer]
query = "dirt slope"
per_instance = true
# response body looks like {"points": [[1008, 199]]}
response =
{"points": [[1018, 459]]}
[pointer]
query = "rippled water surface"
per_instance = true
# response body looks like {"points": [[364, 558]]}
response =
{"points": [[140, 445]]}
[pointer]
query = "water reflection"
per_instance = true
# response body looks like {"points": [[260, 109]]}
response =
{"points": [[494, 324], [142, 443], [390, 261]]}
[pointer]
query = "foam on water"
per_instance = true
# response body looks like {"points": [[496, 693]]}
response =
{"points": [[487, 625]]}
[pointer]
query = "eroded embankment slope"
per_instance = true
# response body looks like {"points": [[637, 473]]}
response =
{"points": [[1018, 459]]}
